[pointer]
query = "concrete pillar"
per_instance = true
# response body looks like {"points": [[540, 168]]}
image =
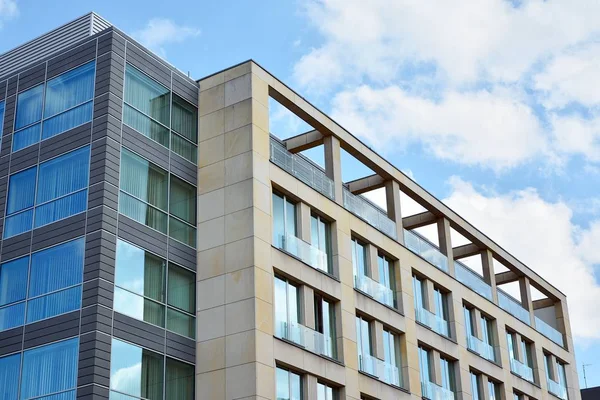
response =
{"points": [[436, 370], [519, 356], [445, 241], [377, 334], [309, 384], [307, 298], [455, 315], [333, 165], [487, 264], [429, 300], [398, 285], [484, 389], [373, 263], [563, 324], [476, 317], [303, 221], [394, 208], [553, 372], [526, 301]]}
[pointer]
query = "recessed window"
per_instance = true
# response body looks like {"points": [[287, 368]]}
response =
{"points": [[320, 239], [326, 392], [289, 386]]}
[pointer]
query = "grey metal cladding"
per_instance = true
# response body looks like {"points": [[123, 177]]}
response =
{"points": [[102, 218], [12, 85], [3, 190], [184, 169], [103, 193], [100, 253], [97, 291], [146, 147], [182, 254], [66, 141], [3, 90], [32, 77], [142, 236], [186, 89], [105, 161], [94, 359], [9, 114], [59, 231], [107, 126], [109, 75], [108, 103], [148, 64], [24, 158], [5, 155], [16, 246], [92, 392], [51, 329], [139, 332], [96, 318], [11, 340], [72, 58], [181, 347]]}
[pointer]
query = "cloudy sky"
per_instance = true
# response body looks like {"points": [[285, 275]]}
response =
{"points": [[491, 105]]}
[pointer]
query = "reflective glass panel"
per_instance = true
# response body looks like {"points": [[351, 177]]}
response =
{"points": [[136, 371]]}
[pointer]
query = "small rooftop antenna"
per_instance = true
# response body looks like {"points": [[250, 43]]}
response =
{"points": [[584, 377]]}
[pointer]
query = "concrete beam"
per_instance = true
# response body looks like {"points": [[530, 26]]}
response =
{"points": [[419, 220], [506, 277], [466, 250], [543, 303], [366, 184], [304, 141]]}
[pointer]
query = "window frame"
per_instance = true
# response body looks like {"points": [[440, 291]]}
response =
{"points": [[290, 374], [319, 301], [326, 234]]}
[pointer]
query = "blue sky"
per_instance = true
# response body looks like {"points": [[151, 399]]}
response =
{"points": [[493, 106]]}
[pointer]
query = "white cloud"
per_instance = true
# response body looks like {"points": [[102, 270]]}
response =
{"points": [[8, 10], [160, 32], [487, 128], [576, 135], [543, 236]]}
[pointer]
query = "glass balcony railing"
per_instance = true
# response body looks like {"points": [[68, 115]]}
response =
{"points": [[366, 210], [549, 332], [434, 321], [384, 371], [557, 389], [480, 347], [304, 251], [432, 391], [374, 289], [471, 279], [301, 168], [512, 306], [524, 371], [422, 247], [311, 340]]}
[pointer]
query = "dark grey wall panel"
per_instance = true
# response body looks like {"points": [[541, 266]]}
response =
{"points": [[97, 291], [103, 194], [72, 58], [184, 169], [9, 116], [102, 218], [107, 126], [108, 103], [65, 142], [12, 85], [3, 89], [142, 236], [31, 77], [185, 89], [100, 252], [4, 161], [24, 158], [51, 330], [105, 159], [3, 193], [94, 359], [6, 147], [10, 340], [182, 254], [59, 231], [146, 147], [92, 392], [16, 246], [139, 332], [181, 347], [148, 64], [110, 75], [96, 318]]}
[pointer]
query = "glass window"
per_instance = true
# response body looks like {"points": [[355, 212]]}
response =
{"points": [[182, 204], [1, 117], [320, 237], [562, 375], [29, 107], [494, 390], [13, 280], [425, 364], [359, 259], [288, 385], [468, 321], [180, 380], [325, 392], [386, 274], [19, 208], [284, 222], [185, 127], [325, 324], [50, 369], [135, 371], [511, 345], [10, 367], [447, 372], [418, 292], [475, 386], [486, 331], [526, 351], [287, 311], [181, 298], [391, 352], [363, 343]]}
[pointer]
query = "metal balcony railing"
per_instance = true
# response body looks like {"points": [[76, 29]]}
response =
{"points": [[434, 321], [471, 279], [480, 347], [306, 252], [367, 211], [524, 371], [374, 289], [424, 248], [513, 307], [384, 371], [549, 331], [311, 340], [557, 389], [301, 168], [436, 392]]}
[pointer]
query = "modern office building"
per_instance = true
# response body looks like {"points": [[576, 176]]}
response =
{"points": [[159, 243]]}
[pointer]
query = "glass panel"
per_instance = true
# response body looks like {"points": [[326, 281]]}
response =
{"points": [[468, 321], [142, 212], [182, 289], [359, 259], [61, 208], [13, 280], [63, 175], [26, 137], [182, 232], [278, 221], [1, 117], [54, 304], [328, 316], [144, 180], [290, 218], [184, 148], [145, 125], [9, 376], [183, 200], [70, 395], [12, 316], [135, 371], [424, 364], [57, 267], [475, 387], [50, 369], [180, 381], [296, 391], [147, 95], [280, 306], [140, 272], [418, 292], [139, 307], [446, 370], [29, 107], [181, 323], [21, 190], [293, 304], [562, 377], [18, 223], [282, 385], [185, 119], [69, 89], [68, 120]]}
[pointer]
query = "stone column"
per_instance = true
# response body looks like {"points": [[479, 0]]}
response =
{"points": [[303, 221], [429, 302], [436, 370], [487, 263], [307, 297], [372, 255], [476, 317], [309, 384], [333, 165], [526, 301], [394, 208], [445, 241], [377, 334]]}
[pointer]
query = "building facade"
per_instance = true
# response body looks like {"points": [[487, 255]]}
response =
{"points": [[159, 243]]}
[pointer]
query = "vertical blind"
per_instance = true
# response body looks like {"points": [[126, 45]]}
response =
{"points": [[9, 376]]}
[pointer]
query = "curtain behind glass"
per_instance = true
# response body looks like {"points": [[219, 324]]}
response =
{"points": [[57, 267], [29, 107], [21, 190], [140, 272], [50, 369], [183, 200], [69, 89], [181, 290], [53, 304], [9, 376], [67, 120], [147, 95], [62, 175], [13, 280], [185, 119], [180, 381], [152, 375], [144, 180]]}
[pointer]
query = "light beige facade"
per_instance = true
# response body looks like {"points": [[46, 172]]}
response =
{"points": [[238, 350]]}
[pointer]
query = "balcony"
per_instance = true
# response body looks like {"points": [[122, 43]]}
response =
{"points": [[549, 332], [435, 392], [309, 254], [302, 168], [374, 289], [524, 371], [424, 248], [369, 212], [311, 340], [384, 371], [557, 389], [513, 307], [480, 347], [472, 280], [433, 321]]}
